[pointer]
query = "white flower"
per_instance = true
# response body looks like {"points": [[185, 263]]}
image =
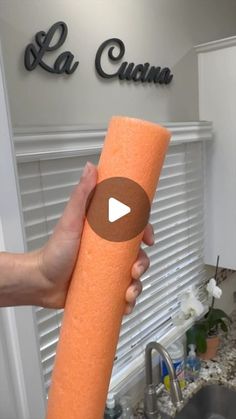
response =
{"points": [[213, 290], [190, 305], [178, 318]]}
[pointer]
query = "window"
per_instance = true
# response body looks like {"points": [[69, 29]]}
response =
{"points": [[176, 258]]}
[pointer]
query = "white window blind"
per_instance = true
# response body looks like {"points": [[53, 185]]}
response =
{"points": [[176, 258]]}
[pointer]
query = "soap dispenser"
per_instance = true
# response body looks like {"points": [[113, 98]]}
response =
{"points": [[193, 365], [113, 409]]}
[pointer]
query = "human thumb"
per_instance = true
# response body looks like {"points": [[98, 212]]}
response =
{"points": [[72, 219]]}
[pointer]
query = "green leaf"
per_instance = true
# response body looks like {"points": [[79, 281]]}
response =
{"points": [[215, 317], [191, 335], [216, 314], [201, 342], [197, 335], [223, 326], [203, 325]]}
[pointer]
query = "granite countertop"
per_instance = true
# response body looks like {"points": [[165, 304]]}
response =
{"points": [[220, 370]]}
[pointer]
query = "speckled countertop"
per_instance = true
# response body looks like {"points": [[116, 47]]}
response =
{"points": [[221, 370]]}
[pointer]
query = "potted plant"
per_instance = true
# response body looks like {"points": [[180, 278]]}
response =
{"points": [[205, 332]]}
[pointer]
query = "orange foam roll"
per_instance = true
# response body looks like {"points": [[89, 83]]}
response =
{"points": [[133, 149]]}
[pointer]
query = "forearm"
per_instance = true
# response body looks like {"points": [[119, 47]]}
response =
{"points": [[21, 282]]}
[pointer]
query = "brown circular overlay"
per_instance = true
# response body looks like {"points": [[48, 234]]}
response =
{"points": [[125, 192]]}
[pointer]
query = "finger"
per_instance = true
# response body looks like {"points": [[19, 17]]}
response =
{"points": [[72, 219], [129, 308], [140, 265], [133, 291], [148, 235]]}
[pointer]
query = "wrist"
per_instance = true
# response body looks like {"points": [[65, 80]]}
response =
{"points": [[52, 293], [20, 280]]}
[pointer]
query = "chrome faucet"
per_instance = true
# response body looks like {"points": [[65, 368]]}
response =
{"points": [[152, 390]]}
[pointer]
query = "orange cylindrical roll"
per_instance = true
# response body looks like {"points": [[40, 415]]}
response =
{"points": [[134, 149]]}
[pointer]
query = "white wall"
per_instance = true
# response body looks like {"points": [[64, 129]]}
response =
{"points": [[226, 302], [161, 32], [7, 405], [217, 82], [7, 401]]}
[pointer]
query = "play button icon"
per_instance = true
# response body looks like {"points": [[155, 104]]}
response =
{"points": [[118, 209]]}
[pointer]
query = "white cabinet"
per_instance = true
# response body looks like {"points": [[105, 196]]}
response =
{"points": [[217, 103]]}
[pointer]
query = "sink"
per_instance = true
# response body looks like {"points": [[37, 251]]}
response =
{"points": [[211, 402]]}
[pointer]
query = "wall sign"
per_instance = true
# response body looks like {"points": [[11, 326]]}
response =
{"points": [[130, 71], [35, 56]]}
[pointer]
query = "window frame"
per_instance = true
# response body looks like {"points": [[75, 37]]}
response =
{"points": [[48, 143]]}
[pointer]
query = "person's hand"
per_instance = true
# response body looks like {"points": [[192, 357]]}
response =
{"points": [[57, 258]]}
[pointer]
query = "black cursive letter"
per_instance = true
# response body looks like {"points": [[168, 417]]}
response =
{"points": [[34, 56], [110, 55], [63, 63]]}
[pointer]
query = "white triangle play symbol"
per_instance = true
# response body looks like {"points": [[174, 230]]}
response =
{"points": [[116, 209]]}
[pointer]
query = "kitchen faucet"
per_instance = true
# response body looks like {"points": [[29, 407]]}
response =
{"points": [[151, 390]]}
